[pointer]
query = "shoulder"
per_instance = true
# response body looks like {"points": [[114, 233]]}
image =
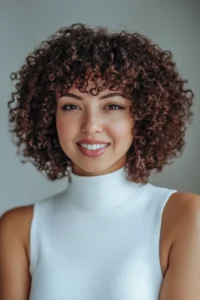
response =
{"points": [[14, 259], [187, 212], [16, 223], [16, 216], [186, 200], [182, 209], [181, 213], [181, 231]]}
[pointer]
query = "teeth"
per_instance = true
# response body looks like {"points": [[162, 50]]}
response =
{"points": [[93, 146]]}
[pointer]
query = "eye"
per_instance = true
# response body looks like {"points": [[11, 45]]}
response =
{"points": [[114, 107], [69, 107]]}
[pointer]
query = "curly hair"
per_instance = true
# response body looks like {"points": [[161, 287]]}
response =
{"points": [[161, 102]]}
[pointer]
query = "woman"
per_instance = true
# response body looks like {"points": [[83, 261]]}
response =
{"points": [[103, 110]]}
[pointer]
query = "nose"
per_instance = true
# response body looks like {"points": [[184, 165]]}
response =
{"points": [[91, 124]]}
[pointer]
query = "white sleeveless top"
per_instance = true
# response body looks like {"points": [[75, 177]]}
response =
{"points": [[98, 240]]}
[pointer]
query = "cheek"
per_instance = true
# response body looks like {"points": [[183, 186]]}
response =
{"points": [[122, 127], [64, 128]]}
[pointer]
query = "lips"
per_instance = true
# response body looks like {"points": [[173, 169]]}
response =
{"points": [[92, 153]]}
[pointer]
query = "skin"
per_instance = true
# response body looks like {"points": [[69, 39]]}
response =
{"points": [[180, 231], [104, 117]]}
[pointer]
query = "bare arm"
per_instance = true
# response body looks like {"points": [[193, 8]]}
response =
{"points": [[182, 279], [14, 262]]}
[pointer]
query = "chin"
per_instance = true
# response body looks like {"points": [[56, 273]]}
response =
{"points": [[94, 169]]}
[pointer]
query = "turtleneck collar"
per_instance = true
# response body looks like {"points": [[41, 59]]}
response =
{"points": [[102, 191]]}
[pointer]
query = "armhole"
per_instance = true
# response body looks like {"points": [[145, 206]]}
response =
{"points": [[158, 230], [33, 239]]}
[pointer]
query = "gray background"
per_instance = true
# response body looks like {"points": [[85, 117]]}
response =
{"points": [[174, 25]]}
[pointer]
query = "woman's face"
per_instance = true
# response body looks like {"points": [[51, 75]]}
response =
{"points": [[85, 121]]}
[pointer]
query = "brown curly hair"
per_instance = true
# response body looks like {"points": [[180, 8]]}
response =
{"points": [[161, 104]]}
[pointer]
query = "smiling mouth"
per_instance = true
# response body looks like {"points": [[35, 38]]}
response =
{"points": [[93, 146], [93, 150]]}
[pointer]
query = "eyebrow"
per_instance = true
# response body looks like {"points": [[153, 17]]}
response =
{"points": [[66, 94]]}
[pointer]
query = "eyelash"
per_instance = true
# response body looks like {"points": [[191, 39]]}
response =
{"points": [[72, 105]]}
